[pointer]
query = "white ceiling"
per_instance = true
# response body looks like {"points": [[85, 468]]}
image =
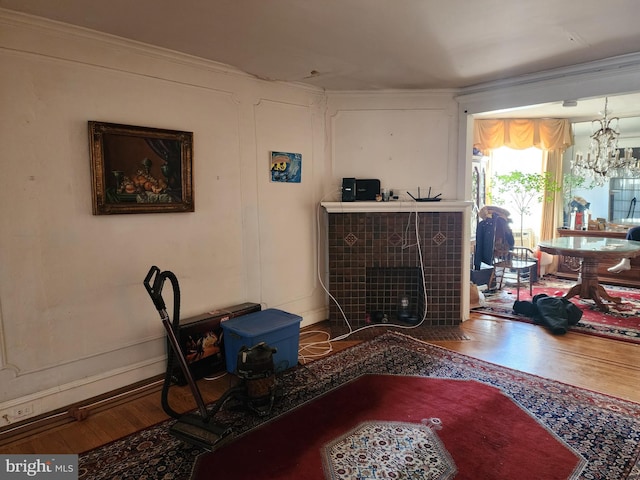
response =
{"points": [[373, 44]]}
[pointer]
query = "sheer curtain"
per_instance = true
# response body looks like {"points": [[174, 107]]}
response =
{"points": [[553, 136]]}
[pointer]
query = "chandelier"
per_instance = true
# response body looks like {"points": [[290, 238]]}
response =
{"points": [[603, 160]]}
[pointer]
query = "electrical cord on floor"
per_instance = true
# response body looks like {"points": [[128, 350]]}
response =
{"points": [[314, 349], [217, 377]]}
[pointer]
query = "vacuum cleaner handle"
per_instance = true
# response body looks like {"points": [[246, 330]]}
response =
{"points": [[155, 292], [199, 430]]}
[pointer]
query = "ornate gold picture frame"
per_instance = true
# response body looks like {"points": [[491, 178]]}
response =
{"points": [[140, 169]]}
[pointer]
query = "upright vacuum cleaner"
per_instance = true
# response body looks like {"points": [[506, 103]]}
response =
{"points": [[196, 428], [256, 393]]}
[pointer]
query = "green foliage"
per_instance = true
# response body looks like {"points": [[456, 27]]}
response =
{"points": [[521, 189], [517, 191], [571, 182]]}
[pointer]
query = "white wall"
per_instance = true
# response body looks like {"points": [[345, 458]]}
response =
{"points": [[75, 319], [405, 139]]}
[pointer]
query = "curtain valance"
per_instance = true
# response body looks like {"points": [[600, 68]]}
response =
{"points": [[544, 133]]}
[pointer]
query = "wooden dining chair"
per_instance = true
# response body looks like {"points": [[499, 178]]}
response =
{"points": [[520, 262]]}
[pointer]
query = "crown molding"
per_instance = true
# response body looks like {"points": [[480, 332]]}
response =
{"points": [[605, 67]]}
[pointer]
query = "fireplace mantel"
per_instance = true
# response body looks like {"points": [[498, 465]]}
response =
{"points": [[396, 206]]}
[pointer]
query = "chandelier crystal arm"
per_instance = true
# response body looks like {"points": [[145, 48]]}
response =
{"points": [[603, 158]]}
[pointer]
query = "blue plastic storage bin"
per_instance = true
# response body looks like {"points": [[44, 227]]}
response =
{"points": [[277, 328]]}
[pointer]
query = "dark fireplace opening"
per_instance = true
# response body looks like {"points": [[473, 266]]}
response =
{"points": [[394, 295]]}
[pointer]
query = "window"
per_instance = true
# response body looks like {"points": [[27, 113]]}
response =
{"points": [[504, 160]]}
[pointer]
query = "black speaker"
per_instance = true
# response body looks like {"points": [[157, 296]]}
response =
{"points": [[348, 189], [367, 190]]}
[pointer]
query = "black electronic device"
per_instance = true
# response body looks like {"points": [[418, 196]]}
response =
{"points": [[360, 190], [367, 189], [428, 198], [348, 189]]}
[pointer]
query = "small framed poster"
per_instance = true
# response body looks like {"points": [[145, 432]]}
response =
{"points": [[286, 167]]}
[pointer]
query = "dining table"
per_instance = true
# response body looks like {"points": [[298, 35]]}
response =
{"points": [[592, 251]]}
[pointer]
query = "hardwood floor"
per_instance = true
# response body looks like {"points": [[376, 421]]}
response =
{"points": [[598, 364]]}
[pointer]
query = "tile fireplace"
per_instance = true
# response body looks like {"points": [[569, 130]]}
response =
{"points": [[377, 273]]}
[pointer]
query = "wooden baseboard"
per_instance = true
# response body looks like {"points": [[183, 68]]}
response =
{"points": [[79, 411]]}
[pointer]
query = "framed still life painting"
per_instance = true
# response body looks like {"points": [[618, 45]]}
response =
{"points": [[286, 167], [140, 169]]}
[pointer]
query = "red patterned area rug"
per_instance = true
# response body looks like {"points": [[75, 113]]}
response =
{"points": [[387, 426], [622, 322], [410, 410]]}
